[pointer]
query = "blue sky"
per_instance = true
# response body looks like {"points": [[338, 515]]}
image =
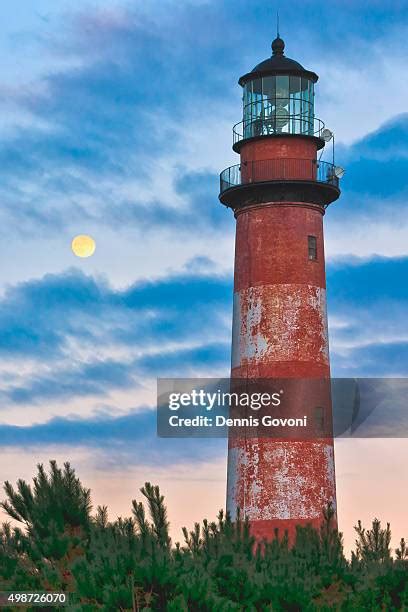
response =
{"points": [[116, 120]]}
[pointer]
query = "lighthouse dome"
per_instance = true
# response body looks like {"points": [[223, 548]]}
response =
{"points": [[278, 64]]}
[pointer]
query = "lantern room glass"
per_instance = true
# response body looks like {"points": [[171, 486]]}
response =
{"points": [[280, 104]]}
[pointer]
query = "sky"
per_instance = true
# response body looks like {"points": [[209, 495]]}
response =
{"points": [[116, 119]]}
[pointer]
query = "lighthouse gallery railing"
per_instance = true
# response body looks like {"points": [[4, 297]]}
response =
{"points": [[277, 123], [284, 169]]}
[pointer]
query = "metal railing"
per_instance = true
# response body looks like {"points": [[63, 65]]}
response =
{"points": [[267, 103], [276, 124], [284, 169]]}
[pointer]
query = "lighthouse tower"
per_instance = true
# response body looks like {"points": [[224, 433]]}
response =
{"points": [[279, 192]]}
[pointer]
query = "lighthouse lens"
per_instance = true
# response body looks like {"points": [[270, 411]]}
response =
{"points": [[282, 87], [269, 88], [282, 117], [278, 104]]}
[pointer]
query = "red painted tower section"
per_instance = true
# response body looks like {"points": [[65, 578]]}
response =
{"points": [[279, 193]]}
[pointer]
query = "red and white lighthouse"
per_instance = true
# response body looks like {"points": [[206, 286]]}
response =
{"points": [[279, 192]]}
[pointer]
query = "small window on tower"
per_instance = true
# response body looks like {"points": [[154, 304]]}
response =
{"points": [[319, 420], [312, 246]]}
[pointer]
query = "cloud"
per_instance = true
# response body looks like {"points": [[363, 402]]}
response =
{"points": [[371, 218], [72, 335], [37, 316], [96, 378], [368, 301], [187, 362], [131, 436], [377, 165]]}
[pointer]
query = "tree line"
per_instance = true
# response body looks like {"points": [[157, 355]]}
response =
{"points": [[130, 564]]}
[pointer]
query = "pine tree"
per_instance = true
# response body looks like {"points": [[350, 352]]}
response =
{"points": [[402, 551], [55, 514], [373, 544]]}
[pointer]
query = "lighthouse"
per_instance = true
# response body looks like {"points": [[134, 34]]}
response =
{"points": [[279, 192]]}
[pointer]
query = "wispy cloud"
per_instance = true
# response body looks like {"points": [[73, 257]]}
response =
{"points": [[37, 317], [370, 300], [71, 336], [127, 437]]}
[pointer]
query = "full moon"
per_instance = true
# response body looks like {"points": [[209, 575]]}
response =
{"points": [[83, 246]]}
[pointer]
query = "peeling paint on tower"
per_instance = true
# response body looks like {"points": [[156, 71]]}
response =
{"points": [[280, 323]]}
